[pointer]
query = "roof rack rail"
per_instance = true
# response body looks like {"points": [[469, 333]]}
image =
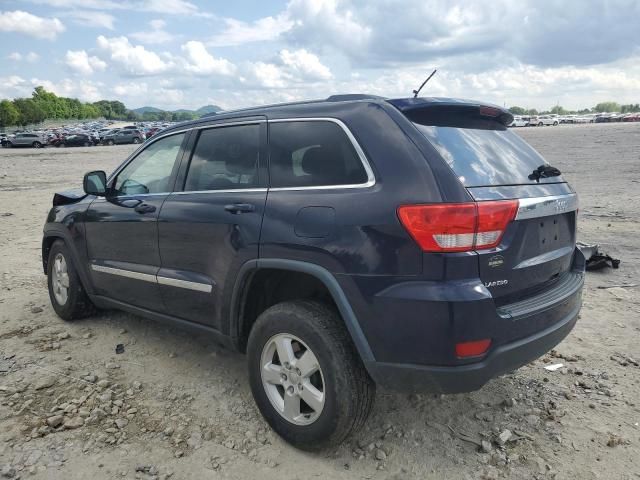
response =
{"points": [[353, 96]]}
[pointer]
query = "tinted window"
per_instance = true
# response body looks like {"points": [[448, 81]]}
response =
{"points": [[150, 171], [225, 158], [486, 156], [307, 154]]}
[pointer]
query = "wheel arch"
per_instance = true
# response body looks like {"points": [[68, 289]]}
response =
{"points": [[49, 239], [240, 322]]}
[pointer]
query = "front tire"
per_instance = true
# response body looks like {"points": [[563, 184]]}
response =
{"points": [[36, 144], [67, 295], [136, 140], [306, 376]]}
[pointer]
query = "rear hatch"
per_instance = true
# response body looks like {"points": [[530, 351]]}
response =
{"points": [[536, 246]]}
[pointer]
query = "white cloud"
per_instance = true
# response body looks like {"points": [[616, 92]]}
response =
{"points": [[141, 93], [93, 19], [268, 75], [30, 57], [157, 34], [79, 61], [32, 25], [201, 62], [158, 24], [289, 69], [264, 29], [86, 90], [305, 64], [172, 7], [133, 59]]}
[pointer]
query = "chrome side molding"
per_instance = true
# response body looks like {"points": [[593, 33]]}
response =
{"points": [[546, 206], [147, 277]]}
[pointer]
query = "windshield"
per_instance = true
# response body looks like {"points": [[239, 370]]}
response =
{"points": [[484, 157]]}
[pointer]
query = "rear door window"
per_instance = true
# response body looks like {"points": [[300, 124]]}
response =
{"points": [[225, 158], [312, 154], [486, 156]]}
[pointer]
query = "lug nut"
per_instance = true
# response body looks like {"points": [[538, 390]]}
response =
{"points": [[298, 371], [287, 366], [283, 377], [290, 390]]}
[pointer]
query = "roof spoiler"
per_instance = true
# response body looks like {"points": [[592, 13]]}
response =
{"points": [[417, 108]]}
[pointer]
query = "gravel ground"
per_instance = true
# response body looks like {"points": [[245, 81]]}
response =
{"points": [[176, 406]]}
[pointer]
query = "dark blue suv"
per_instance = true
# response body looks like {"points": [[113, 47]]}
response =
{"points": [[417, 244]]}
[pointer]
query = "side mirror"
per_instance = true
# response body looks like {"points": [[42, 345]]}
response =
{"points": [[95, 183]]}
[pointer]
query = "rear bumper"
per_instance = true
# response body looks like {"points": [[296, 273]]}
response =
{"points": [[466, 378], [413, 327]]}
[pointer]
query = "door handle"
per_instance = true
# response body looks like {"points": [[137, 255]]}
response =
{"points": [[237, 208], [145, 208]]}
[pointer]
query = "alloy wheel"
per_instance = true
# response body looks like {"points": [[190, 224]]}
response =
{"points": [[292, 378], [60, 279]]}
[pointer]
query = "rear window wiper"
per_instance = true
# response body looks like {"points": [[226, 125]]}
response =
{"points": [[544, 171]]}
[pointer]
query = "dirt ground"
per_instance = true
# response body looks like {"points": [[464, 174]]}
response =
{"points": [[174, 405]]}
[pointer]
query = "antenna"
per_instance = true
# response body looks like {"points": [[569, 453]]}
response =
{"points": [[416, 92]]}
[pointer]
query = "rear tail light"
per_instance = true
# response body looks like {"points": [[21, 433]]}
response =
{"points": [[458, 227], [472, 349]]}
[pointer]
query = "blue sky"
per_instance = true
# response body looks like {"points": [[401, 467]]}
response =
{"points": [[186, 53]]}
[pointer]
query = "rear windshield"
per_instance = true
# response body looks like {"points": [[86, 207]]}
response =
{"points": [[486, 156]]}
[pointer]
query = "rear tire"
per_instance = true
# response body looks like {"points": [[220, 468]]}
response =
{"points": [[541, 124], [110, 142], [340, 392], [67, 295], [36, 144], [136, 140]]}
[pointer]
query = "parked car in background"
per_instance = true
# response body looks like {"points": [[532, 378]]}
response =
{"points": [[35, 140], [108, 132], [519, 122], [533, 121], [123, 136], [632, 117], [76, 140], [546, 120], [3, 139]]}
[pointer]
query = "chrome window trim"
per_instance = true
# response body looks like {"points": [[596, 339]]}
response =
{"points": [[226, 190], [158, 279], [371, 179], [155, 138], [546, 206]]}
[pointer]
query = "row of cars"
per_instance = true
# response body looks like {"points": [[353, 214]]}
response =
{"points": [[83, 135], [554, 120]]}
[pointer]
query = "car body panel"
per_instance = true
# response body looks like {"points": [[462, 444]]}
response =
{"points": [[191, 259]]}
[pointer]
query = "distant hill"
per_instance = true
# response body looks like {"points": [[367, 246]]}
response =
{"points": [[143, 110], [201, 111]]}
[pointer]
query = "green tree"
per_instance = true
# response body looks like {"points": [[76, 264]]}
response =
{"points": [[607, 107], [558, 110], [9, 114], [30, 111], [630, 108], [518, 110]]}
